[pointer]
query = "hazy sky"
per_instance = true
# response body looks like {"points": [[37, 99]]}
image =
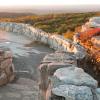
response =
{"points": [[46, 2]]}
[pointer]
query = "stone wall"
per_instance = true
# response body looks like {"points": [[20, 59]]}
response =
{"points": [[60, 77], [56, 42], [6, 66]]}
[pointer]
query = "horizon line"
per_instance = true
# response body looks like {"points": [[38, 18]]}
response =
{"points": [[51, 5]]}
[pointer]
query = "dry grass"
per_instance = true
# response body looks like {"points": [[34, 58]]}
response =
{"points": [[69, 35]]}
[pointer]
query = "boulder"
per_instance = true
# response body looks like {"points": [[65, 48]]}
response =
{"points": [[75, 76], [47, 70], [60, 57], [79, 51], [52, 67], [98, 93], [72, 92]]}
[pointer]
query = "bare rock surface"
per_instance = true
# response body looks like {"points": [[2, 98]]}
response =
{"points": [[23, 89], [98, 93], [75, 76], [60, 57], [72, 92]]}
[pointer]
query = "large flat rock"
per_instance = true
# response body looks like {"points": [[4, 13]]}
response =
{"points": [[60, 57], [75, 76], [72, 92]]}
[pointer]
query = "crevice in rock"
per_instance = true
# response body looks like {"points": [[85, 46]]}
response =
{"points": [[55, 97], [91, 67]]}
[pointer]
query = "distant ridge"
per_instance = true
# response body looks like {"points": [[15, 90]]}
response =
{"points": [[13, 14], [51, 9]]}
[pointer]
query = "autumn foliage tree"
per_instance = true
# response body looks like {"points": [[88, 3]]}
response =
{"points": [[89, 34]]}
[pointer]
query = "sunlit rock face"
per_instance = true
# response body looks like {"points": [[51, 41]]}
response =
{"points": [[6, 66], [96, 41], [94, 22], [90, 39]]}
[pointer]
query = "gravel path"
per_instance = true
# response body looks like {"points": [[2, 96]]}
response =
{"points": [[26, 61]]}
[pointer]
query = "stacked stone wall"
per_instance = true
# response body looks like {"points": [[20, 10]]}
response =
{"points": [[6, 66], [56, 42], [60, 75]]}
